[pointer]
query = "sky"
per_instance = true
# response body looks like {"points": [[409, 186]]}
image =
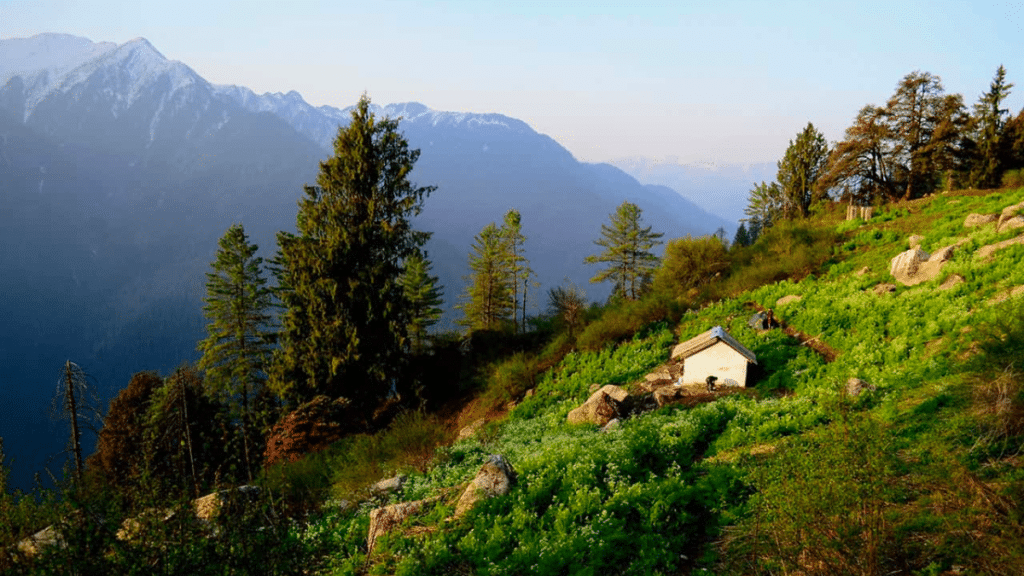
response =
{"points": [[724, 82]]}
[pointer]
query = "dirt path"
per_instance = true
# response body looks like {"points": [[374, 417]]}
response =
{"points": [[827, 352]]}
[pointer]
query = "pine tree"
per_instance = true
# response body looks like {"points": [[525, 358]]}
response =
{"points": [[990, 120], [519, 270], [343, 331], [742, 237], [424, 297], [238, 346], [487, 301], [76, 402], [765, 205], [799, 170], [627, 248]]}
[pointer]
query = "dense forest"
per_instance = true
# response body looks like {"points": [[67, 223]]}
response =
{"points": [[323, 373]]}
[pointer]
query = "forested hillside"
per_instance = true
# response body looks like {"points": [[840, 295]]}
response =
{"points": [[877, 282]]}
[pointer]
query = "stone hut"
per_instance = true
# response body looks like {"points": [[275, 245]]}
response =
{"points": [[715, 353]]}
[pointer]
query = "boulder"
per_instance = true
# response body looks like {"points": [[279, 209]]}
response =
{"points": [[210, 506], [974, 220], [1010, 213], [495, 478], [668, 395], [383, 520], [388, 485], [916, 266], [915, 240], [951, 281], [471, 429], [788, 299], [1011, 223], [603, 405], [855, 387], [906, 264]]}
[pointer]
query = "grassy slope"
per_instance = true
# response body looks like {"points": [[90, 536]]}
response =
{"points": [[907, 478]]}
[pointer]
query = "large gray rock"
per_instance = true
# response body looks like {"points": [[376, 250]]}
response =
{"points": [[388, 485], [916, 266], [495, 478], [906, 264], [604, 404]]}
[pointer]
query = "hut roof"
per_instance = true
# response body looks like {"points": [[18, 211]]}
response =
{"points": [[708, 339]]}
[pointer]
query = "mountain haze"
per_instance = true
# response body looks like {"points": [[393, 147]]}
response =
{"points": [[120, 169]]}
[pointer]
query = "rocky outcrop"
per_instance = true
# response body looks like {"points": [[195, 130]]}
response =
{"points": [[604, 404], [495, 478], [974, 220], [989, 250], [40, 541]]}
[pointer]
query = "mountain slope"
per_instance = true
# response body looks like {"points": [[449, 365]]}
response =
{"points": [[124, 168]]}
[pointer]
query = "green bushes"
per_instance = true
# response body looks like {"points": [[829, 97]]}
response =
{"points": [[1013, 178]]}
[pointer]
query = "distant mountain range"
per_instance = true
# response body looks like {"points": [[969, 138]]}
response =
{"points": [[120, 169]]}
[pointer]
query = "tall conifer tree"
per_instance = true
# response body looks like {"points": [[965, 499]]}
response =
{"points": [[518, 266], [628, 251], [343, 331], [424, 296], [238, 348], [487, 301]]}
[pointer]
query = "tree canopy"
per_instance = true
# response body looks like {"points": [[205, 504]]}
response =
{"points": [[487, 302], [627, 250], [238, 348], [800, 169], [343, 330]]}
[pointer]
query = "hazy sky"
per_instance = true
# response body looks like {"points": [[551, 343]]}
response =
{"points": [[718, 82]]}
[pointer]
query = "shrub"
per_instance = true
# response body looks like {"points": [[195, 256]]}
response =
{"points": [[1013, 178]]}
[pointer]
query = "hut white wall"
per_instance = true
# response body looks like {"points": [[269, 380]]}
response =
{"points": [[719, 360]]}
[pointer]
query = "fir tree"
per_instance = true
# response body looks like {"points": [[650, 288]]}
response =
{"points": [[742, 237], [238, 347], [487, 301], [800, 169], [519, 270], [627, 250], [343, 331], [424, 297], [990, 120]]}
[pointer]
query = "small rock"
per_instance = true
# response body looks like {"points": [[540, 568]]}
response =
{"points": [[915, 240], [1011, 223], [388, 485], [788, 299], [603, 405], [593, 388], [495, 478], [1009, 213], [383, 520], [529, 393], [40, 541], [667, 395], [864, 271], [611, 425], [974, 220], [471, 429], [855, 387], [662, 374], [953, 280], [884, 288]]}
